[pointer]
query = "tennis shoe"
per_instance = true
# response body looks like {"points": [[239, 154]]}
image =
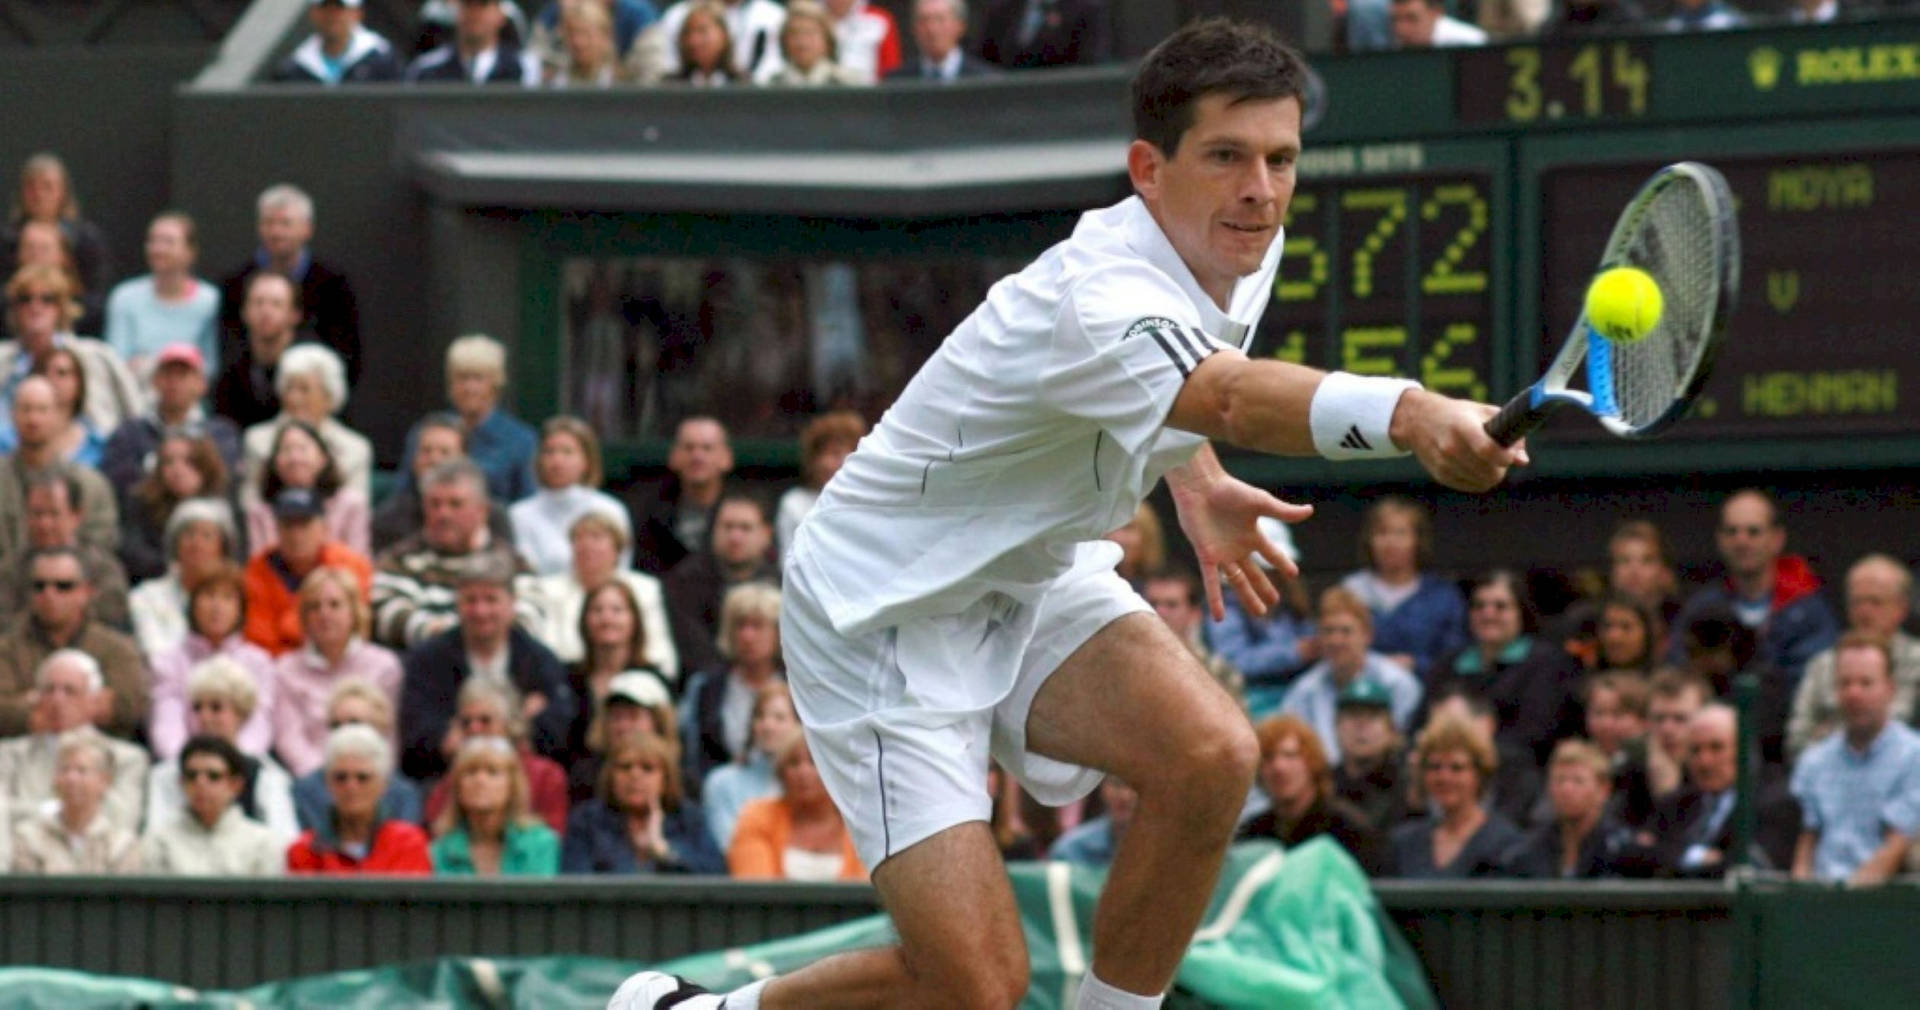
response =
{"points": [[657, 990]]}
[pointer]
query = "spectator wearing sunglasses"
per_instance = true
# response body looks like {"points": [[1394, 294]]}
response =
{"points": [[222, 699], [358, 837], [57, 618], [212, 836], [354, 701]]}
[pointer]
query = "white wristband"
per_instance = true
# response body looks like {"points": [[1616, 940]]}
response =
{"points": [[1350, 415]]}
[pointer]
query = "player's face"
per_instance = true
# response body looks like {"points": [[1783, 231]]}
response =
{"points": [[1220, 196]]}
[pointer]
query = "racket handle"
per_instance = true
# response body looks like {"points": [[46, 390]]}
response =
{"points": [[1520, 416]]}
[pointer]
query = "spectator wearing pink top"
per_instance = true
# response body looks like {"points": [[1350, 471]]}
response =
{"points": [[216, 618], [336, 619]]}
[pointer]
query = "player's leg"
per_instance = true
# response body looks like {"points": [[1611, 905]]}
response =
{"points": [[961, 944], [1133, 702]]}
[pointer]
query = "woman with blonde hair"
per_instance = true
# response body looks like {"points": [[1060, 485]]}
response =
{"points": [[43, 305], [46, 196], [731, 787], [311, 381], [811, 50], [715, 711], [641, 822], [489, 829], [705, 45], [222, 698], [634, 701], [588, 52], [500, 444], [1459, 837], [336, 621], [797, 835], [569, 471], [355, 701], [487, 707]]}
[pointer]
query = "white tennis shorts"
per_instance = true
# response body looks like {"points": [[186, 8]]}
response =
{"points": [[902, 770]]}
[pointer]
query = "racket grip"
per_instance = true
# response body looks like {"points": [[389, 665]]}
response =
{"points": [[1520, 416]]}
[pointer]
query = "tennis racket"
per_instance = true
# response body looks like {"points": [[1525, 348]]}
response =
{"points": [[1680, 228]]}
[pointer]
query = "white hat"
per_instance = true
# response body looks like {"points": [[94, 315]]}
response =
{"points": [[1282, 537], [640, 687]]}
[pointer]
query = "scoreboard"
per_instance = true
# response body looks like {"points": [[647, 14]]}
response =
{"points": [[1391, 264], [1827, 330]]}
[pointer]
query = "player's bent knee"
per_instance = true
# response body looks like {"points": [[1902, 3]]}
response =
{"points": [[1214, 769], [998, 981]]}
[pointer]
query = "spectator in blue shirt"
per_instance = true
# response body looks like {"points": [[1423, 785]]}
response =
{"points": [[1346, 632], [1418, 618], [641, 823], [502, 445], [1859, 789]]}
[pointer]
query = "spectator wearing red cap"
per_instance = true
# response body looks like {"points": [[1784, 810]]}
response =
{"points": [[179, 383]]}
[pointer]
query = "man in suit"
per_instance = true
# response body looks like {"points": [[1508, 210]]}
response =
{"points": [[1692, 831], [486, 643], [938, 27], [479, 52], [331, 311], [1022, 34]]}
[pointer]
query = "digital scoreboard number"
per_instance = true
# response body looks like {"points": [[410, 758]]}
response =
{"points": [[1825, 337], [1389, 276], [1529, 85]]}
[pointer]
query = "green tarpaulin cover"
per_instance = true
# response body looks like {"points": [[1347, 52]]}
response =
{"points": [[1293, 929]]}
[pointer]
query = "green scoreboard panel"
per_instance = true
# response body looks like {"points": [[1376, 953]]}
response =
{"points": [[1823, 341], [1392, 264]]}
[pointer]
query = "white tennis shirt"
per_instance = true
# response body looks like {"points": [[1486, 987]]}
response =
{"points": [[1035, 429]]}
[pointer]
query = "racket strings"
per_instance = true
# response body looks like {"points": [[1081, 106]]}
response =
{"points": [[1672, 238]]}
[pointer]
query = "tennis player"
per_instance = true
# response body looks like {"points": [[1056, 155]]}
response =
{"points": [[951, 598]]}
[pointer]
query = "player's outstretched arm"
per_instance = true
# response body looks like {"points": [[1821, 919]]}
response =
{"points": [[1292, 410]]}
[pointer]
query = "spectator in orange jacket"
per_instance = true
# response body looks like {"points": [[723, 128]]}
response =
{"points": [[274, 576], [355, 839], [797, 835]]}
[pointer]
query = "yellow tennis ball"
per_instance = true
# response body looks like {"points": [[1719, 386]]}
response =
{"points": [[1624, 304]]}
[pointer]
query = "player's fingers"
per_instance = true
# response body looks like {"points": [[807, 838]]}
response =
{"points": [[1210, 578], [1262, 583], [1288, 512], [1250, 597], [1278, 559]]}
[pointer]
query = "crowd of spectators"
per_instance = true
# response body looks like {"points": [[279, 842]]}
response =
{"points": [[803, 43], [224, 652]]}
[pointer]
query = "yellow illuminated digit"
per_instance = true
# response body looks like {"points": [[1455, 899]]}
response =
{"points": [[1444, 277], [1438, 373], [1630, 75], [1301, 249], [1585, 71], [1391, 204], [1372, 350], [1293, 347], [1523, 97]]}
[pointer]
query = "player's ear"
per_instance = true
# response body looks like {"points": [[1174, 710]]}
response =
{"points": [[1143, 167]]}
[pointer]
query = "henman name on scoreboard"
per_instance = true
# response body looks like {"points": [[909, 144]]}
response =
{"points": [[1364, 159]]}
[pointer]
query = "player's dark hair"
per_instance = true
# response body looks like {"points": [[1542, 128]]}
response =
{"points": [[1243, 60]]}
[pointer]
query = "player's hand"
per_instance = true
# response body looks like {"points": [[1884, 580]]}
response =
{"points": [[1449, 438], [1220, 519]]}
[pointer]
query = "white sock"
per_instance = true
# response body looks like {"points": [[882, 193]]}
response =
{"points": [[747, 997], [1097, 995]]}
